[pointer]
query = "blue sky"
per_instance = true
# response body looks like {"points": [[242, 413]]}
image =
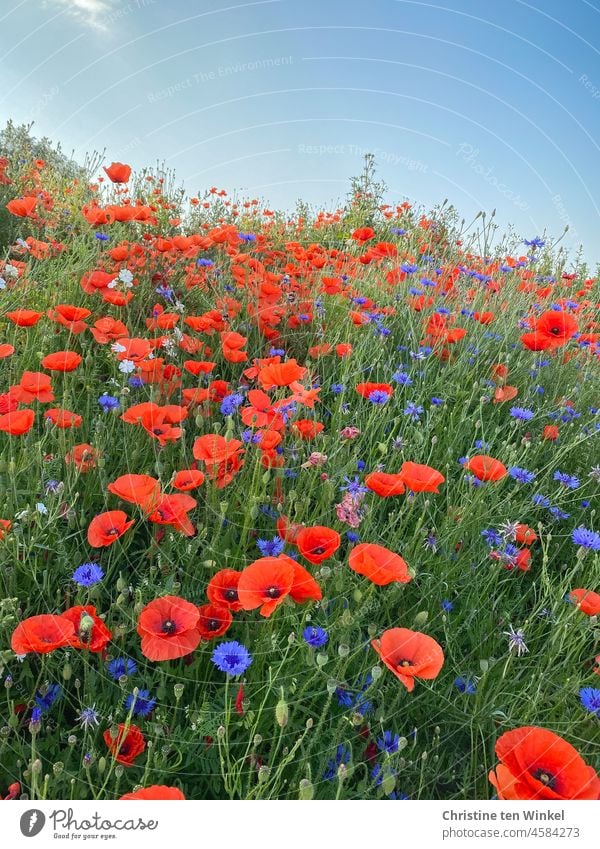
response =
{"points": [[491, 105]]}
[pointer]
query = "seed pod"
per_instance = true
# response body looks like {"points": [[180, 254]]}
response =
{"points": [[306, 791], [282, 713]]}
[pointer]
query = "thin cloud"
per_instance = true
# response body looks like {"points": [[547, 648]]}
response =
{"points": [[92, 13]]}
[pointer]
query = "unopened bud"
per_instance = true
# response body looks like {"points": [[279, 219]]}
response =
{"points": [[306, 791]]}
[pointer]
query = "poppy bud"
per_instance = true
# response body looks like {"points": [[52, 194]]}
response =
{"points": [[101, 765], [421, 618], [67, 672], [36, 767], [282, 713], [263, 774], [388, 784], [71, 739], [178, 690], [343, 650], [332, 685], [57, 768], [306, 791], [322, 659], [357, 595], [376, 672]]}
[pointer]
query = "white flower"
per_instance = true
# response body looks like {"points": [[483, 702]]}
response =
{"points": [[126, 366], [2, 283], [125, 276], [117, 348], [41, 508]]}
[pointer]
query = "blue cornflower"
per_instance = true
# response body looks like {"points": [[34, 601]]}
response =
{"points": [[437, 402], [586, 539], [342, 756], [230, 403], [87, 574], [570, 481], [398, 231], [232, 658], [466, 685], [136, 382], [590, 699], [388, 743], [337, 388], [541, 500], [492, 537], [345, 698], [378, 396], [108, 402], [143, 704], [557, 513], [45, 700], [315, 636], [351, 536], [534, 243], [413, 411], [402, 378], [88, 717], [361, 465], [102, 237], [521, 475], [204, 262], [270, 547], [521, 414], [354, 487], [121, 666], [447, 606]]}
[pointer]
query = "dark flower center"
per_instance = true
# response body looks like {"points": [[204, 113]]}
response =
{"points": [[403, 662], [213, 624], [555, 331], [546, 777], [273, 592], [231, 594], [112, 532], [168, 626], [319, 550]]}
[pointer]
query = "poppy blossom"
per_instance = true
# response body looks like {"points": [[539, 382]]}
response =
{"points": [[367, 389], [90, 632], [155, 793], [106, 528], [486, 468], [304, 586], [222, 589], [173, 510], [24, 318], [214, 621], [525, 535], [265, 584], [127, 745], [61, 361], [280, 374], [420, 478], [33, 386], [384, 484], [550, 433], [317, 543], [142, 490], [378, 564], [409, 655], [188, 479], [17, 422], [586, 600], [83, 456], [63, 419], [6, 350], [537, 764], [42, 634], [118, 172], [168, 627]]}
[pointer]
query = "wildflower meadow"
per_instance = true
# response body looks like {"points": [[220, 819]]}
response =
{"points": [[292, 505]]}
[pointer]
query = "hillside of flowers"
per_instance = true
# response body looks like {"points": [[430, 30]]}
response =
{"points": [[292, 505]]}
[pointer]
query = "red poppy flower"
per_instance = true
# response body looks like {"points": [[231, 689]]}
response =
{"points": [[188, 479], [378, 564], [214, 621], [409, 655], [63, 419], [90, 631], [586, 600], [365, 389], [419, 478], [317, 543], [70, 317], [6, 350], [168, 627], [33, 386], [42, 634], [155, 793], [384, 484], [213, 449], [128, 744], [142, 490], [280, 374], [24, 318], [83, 456], [265, 584], [525, 535], [173, 510], [486, 468], [559, 326], [222, 589], [22, 207], [17, 422], [118, 172], [537, 764], [304, 587], [107, 527], [61, 361], [307, 428], [550, 433], [5, 526]]}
